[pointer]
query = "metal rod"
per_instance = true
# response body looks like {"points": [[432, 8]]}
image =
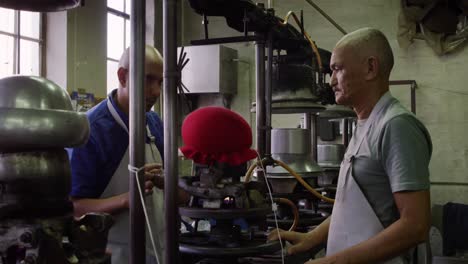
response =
{"points": [[413, 85], [316, 7], [260, 94], [314, 135], [205, 26], [224, 40], [413, 98], [345, 132], [137, 130], [464, 184], [16, 46], [268, 94], [309, 124], [171, 74]]}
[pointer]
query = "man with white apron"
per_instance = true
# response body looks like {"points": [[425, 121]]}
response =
{"points": [[100, 174], [119, 238], [382, 207]]}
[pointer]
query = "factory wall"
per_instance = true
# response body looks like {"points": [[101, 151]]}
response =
{"points": [[442, 80], [86, 48]]}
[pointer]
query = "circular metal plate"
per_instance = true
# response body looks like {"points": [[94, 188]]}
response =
{"points": [[203, 213], [292, 107], [247, 248]]}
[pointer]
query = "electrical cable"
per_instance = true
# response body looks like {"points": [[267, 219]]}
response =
{"points": [[136, 171], [274, 208]]}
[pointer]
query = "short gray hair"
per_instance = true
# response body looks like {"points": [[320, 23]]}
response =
{"points": [[370, 42]]}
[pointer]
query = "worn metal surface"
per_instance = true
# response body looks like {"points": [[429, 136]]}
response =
{"points": [[171, 129], [41, 5], [42, 240], [330, 155], [35, 113], [247, 248], [206, 213], [137, 124], [29, 129], [293, 147], [33, 93]]}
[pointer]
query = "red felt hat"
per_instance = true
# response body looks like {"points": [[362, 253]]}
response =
{"points": [[217, 134]]}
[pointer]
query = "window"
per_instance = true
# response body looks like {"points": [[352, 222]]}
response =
{"points": [[21, 42], [118, 37]]}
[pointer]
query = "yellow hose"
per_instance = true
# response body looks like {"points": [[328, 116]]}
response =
{"points": [[294, 210], [312, 44], [293, 173]]}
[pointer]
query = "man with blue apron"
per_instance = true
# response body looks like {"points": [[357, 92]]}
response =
{"points": [[100, 174], [382, 205]]}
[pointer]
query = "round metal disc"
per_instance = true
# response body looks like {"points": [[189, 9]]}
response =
{"points": [[291, 107], [203, 213], [248, 248]]}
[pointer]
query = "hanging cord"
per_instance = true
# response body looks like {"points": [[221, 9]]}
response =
{"points": [[136, 171], [312, 44], [274, 207], [293, 173]]}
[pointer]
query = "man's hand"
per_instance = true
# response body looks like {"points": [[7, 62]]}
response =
{"points": [[300, 241], [153, 177]]}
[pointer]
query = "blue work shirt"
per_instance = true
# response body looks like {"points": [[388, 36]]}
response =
{"points": [[94, 164]]}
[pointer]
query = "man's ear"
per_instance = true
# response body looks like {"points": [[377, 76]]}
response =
{"points": [[372, 68], [122, 74]]}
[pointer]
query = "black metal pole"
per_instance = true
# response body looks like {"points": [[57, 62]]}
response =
{"points": [[314, 135], [345, 132], [260, 95], [171, 238], [137, 130], [268, 94]]}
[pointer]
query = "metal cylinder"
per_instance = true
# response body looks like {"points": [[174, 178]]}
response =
{"points": [[171, 238], [137, 130], [260, 95], [290, 140], [268, 94]]}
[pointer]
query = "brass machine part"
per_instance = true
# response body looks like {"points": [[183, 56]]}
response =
{"points": [[293, 173]]}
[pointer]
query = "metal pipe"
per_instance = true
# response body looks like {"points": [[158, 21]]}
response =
{"points": [[314, 135], [260, 95], [137, 130], [171, 75], [268, 94], [310, 123], [345, 132], [413, 85], [316, 7]]}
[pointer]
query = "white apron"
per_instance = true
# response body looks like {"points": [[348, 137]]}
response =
{"points": [[353, 219], [119, 237]]}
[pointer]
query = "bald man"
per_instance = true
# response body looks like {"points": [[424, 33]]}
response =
{"points": [[382, 205], [99, 168]]}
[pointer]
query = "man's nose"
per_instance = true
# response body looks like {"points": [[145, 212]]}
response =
{"points": [[333, 80]]}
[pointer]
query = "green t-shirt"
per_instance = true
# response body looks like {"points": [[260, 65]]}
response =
{"points": [[393, 157]]}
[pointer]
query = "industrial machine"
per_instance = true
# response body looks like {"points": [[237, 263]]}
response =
{"points": [[291, 78], [36, 215]]}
